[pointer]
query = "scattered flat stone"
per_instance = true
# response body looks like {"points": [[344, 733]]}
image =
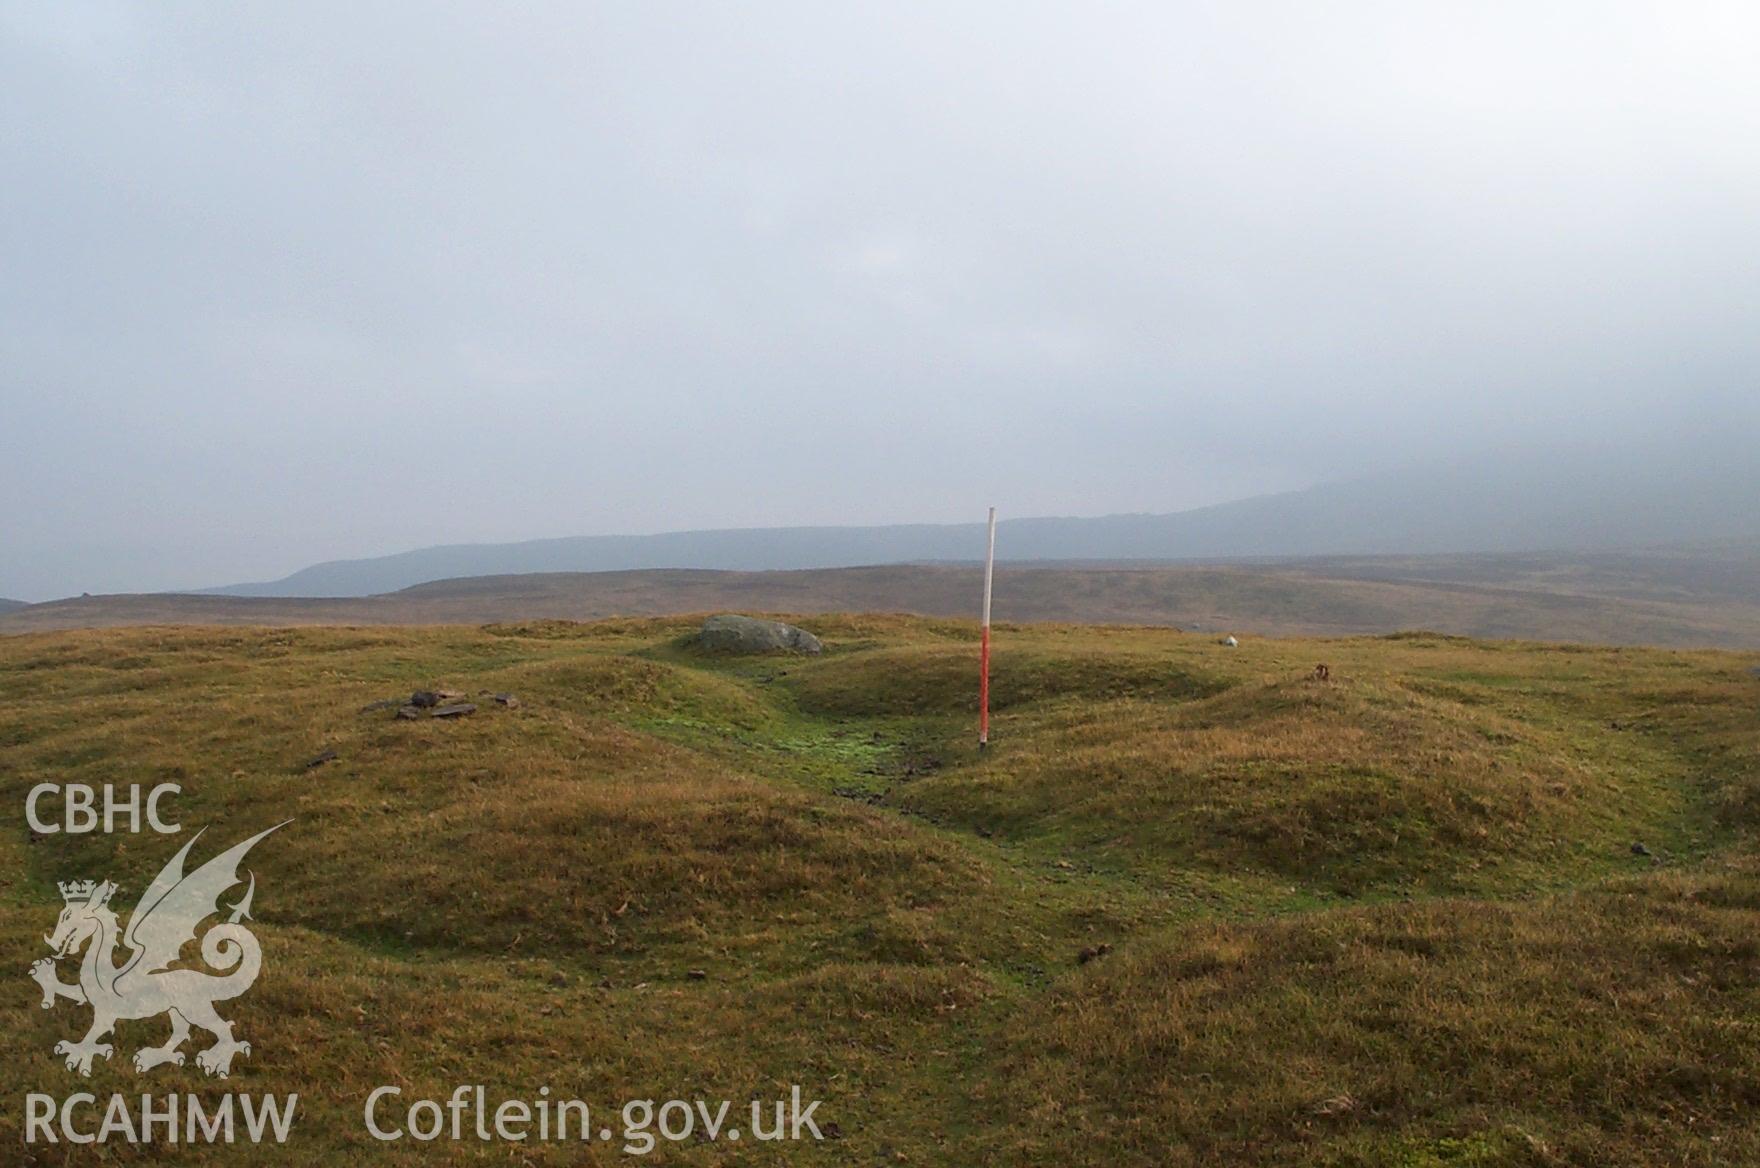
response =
{"points": [[455, 710], [1091, 952], [697, 974], [409, 712], [424, 699], [450, 695], [1638, 849], [507, 700], [320, 759], [732, 633]]}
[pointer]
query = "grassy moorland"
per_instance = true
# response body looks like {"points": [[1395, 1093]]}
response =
{"points": [[1685, 599], [1392, 917]]}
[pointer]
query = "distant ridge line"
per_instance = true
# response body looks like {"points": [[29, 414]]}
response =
{"points": [[1543, 505]]}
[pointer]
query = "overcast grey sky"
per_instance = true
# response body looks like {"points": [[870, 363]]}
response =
{"points": [[290, 282]]}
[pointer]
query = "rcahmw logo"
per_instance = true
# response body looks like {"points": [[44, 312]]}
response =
{"points": [[143, 985]]}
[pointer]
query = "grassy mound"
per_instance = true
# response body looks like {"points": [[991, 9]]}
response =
{"points": [[938, 679], [1354, 784], [1116, 936], [582, 835], [1616, 1026]]}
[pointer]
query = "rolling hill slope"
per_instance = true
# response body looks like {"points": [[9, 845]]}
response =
{"points": [[1195, 906], [1660, 598]]}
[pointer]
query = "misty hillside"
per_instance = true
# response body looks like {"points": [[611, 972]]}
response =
{"points": [[1564, 503], [9, 605]]}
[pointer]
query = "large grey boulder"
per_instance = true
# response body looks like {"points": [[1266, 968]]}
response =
{"points": [[731, 633]]}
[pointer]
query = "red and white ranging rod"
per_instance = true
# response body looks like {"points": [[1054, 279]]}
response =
{"points": [[984, 642]]}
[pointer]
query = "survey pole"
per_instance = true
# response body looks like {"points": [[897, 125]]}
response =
{"points": [[984, 641]]}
